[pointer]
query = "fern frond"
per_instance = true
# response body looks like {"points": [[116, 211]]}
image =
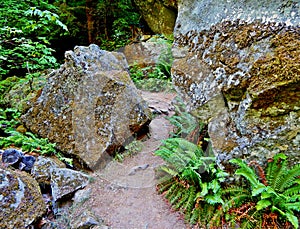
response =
{"points": [[162, 187], [190, 203], [235, 201], [279, 177], [293, 206], [290, 178], [293, 219], [195, 216], [216, 219], [168, 170], [171, 190], [246, 172], [273, 168], [293, 191], [182, 201], [209, 213], [253, 221], [177, 195]]}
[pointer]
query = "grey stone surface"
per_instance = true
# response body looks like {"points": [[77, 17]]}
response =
{"points": [[160, 15], [201, 15], [43, 167], [66, 181], [89, 107], [21, 201], [237, 67]]}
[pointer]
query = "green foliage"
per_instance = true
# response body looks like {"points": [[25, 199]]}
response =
{"points": [[279, 188], [150, 78], [28, 142], [195, 185], [131, 149], [184, 122], [115, 19], [196, 179], [158, 76], [25, 45]]}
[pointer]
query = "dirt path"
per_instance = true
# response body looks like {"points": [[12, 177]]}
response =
{"points": [[124, 195]]}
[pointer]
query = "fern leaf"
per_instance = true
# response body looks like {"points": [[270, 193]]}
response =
{"points": [[177, 195], [214, 199], [215, 220], [194, 216], [293, 206], [290, 178], [238, 196], [262, 204], [253, 221], [280, 176], [184, 198], [170, 171], [208, 213], [190, 203], [273, 168], [293, 220], [171, 190], [246, 172], [162, 187], [293, 191]]}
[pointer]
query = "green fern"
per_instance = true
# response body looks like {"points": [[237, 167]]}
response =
{"points": [[182, 201], [184, 122], [171, 190], [164, 186], [194, 218], [291, 178], [176, 195], [281, 194], [196, 178], [190, 203]]}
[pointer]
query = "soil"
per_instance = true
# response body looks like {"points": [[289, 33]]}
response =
{"points": [[124, 193]]}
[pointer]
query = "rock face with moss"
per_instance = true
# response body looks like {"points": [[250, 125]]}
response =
{"points": [[160, 15], [89, 107], [21, 201], [237, 66], [149, 53]]}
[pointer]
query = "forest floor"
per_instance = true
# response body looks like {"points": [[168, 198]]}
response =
{"points": [[124, 194]]}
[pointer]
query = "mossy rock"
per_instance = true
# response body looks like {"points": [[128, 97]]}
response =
{"points": [[21, 199]]}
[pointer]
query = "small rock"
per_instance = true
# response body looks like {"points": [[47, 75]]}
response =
{"points": [[27, 163], [12, 157], [82, 195], [66, 181], [138, 168], [86, 220], [42, 168]]}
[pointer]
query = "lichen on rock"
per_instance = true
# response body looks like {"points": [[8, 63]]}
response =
{"points": [[65, 182], [248, 57], [21, 201], [89, 107]]}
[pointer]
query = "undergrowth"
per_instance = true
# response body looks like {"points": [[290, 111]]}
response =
{"points": [[156, 77], [131, 149], [250, 196]]}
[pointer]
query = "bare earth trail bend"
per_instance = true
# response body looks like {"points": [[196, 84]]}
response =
{"points": [[124, 195]]}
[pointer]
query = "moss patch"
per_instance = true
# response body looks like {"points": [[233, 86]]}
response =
{"points": [[275, 76]]}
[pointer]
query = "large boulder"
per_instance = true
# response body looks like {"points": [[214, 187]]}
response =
{"points": [[149, 53], [21, 200], [160, 15], [237, 65], [89, 107]]}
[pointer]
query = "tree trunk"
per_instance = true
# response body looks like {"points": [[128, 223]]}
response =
{"points": [[90, 17]]}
